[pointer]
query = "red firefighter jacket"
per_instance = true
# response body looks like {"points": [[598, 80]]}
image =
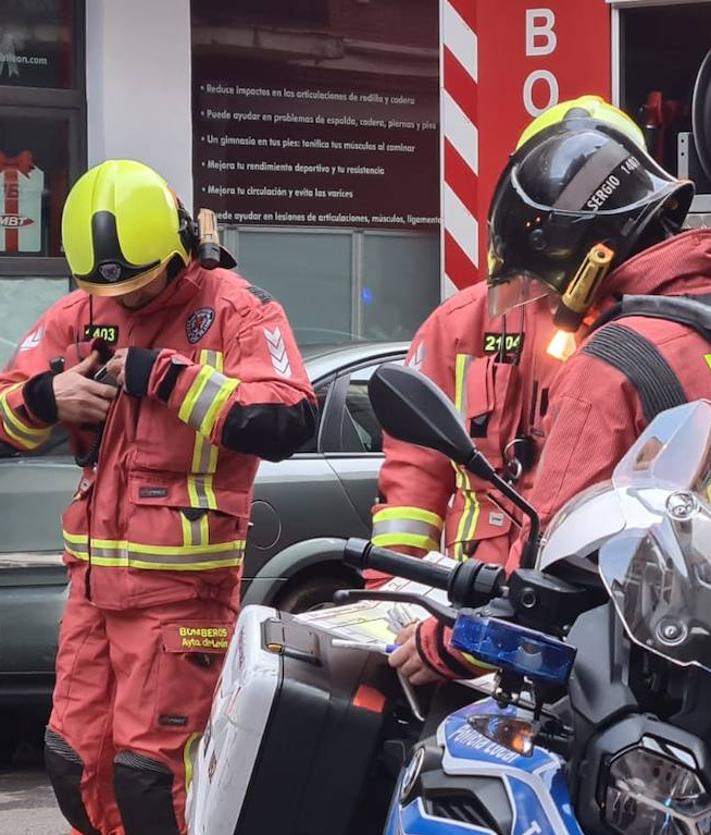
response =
{"points": [[497, 373], [214, 382], [596, 413]]}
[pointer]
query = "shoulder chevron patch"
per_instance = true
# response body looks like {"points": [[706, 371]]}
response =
{"points": [[277, 351]]}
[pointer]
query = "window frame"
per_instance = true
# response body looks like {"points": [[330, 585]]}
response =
{"points": [[56, 102], [330, 437]]}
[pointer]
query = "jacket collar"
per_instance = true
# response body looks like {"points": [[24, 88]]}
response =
{"points": [[673, 267]]}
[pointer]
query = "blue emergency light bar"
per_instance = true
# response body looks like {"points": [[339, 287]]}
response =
{"points": [[539, 657]]}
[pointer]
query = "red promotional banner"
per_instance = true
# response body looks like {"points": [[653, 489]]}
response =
{"points": [[504, 63]]}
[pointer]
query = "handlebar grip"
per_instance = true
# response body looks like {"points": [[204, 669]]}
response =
{"points": [[361, 554]]}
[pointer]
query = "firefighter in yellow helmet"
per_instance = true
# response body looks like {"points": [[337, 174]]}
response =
{"points": [[497, 370], [165, 375]]}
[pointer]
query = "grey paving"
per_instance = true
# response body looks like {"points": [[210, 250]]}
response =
{"points": [[27, 805]]}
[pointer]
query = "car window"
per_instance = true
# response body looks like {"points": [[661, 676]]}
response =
{"points": [[361, 430]]}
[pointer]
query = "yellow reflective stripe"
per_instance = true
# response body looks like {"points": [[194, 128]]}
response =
{"points": [[168, 550], [416, 514], [129, 562], [208, 422], [80, 555], [25, 436], [187, 530], [462, 364], [388, 540], [192, 492], [200, 482], [469, 518], [197, 452], [77, 538], [120, 553], [187, 757], [477, 663], [25, 443], [204, 530], [15, 420], [470, 512], [194, 392]]}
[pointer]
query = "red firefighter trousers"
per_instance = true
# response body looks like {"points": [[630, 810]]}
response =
{"points": [[133, 693]]}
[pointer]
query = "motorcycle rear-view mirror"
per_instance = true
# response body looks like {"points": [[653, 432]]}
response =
{"points": [[411, 408]]}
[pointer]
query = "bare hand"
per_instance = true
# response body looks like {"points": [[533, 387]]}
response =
{"points": [[80, 399], [117, 366], [408, 660]]}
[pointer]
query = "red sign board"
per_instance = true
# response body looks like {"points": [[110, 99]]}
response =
{"points": [[529, 55]]}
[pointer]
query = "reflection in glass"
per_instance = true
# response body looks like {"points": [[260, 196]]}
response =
{"points": [[37, 43]]}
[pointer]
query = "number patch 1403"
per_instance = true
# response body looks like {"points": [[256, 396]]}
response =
{"points": [[109, 333]]}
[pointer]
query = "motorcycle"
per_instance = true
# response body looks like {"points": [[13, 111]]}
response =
{"points": [[595, 721], [598, 719]]}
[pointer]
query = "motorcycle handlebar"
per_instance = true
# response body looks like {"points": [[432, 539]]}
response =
{"points": [[361, 554]]}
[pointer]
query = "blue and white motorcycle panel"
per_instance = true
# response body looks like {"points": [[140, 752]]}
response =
{"points": [[535, 784]]}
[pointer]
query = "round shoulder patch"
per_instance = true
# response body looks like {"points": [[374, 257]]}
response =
{"points": [[199, 324]]}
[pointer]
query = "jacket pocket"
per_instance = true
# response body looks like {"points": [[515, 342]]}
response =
{"points": [[163, 441], [190, 658], [491, 406], [165, 532]]}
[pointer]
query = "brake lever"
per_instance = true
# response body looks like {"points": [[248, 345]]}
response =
{"points": [[443, 613]]}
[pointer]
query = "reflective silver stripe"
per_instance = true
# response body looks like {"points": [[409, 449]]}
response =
{"points": [[130, 554], [406, 526], [197, 489], [196, 531], [202, 405]]}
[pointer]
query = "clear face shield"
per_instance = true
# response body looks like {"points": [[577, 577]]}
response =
{"points": [[520, 289]]}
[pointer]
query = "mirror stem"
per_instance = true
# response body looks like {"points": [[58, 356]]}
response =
{"points": [[479, 466]]}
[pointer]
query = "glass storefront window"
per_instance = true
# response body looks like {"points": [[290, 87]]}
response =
{"points": [[309, 274], [341, 286], [37, 43], [34, 178], [23, 301], [399, 283]]}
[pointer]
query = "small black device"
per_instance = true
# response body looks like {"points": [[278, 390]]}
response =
{"points": [[103, 375]]}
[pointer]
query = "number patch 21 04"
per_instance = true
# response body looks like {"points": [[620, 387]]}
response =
{"points": [[499, 343]]}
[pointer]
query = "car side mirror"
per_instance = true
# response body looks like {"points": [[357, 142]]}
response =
{"points": [[412, 408]]}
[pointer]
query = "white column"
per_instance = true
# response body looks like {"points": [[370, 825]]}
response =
{"points": [[138, 86]]}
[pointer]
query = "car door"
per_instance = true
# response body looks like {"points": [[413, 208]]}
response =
{"points": [[34, 490], [353, 441]]}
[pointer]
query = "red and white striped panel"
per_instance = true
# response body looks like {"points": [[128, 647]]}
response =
{"points": [[459, 144]]}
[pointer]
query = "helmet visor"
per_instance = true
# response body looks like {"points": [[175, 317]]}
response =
{"points": [[513, 291]]}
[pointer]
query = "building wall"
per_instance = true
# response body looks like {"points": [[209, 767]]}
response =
{"points": [[138, 86]]}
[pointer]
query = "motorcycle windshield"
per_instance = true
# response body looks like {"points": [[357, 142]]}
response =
{"points": [[658, 570]]}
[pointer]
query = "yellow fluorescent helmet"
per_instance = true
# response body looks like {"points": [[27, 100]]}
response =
{"points": [[596, 108], [120, 228]]}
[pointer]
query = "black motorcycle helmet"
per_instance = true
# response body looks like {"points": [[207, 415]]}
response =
{"points": [[579, 198]]}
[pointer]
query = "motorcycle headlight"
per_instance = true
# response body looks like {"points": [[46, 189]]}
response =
{"points": [[649, 793]]}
